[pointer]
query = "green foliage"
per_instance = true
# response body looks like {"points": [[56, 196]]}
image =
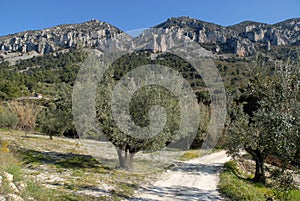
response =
{"points": [[265, 117], [233, 71], [9, 90], [38, 74], [50, 120], [11, 163], [56, 117], [7, 119], [283, 184], [124, 190], [139, 107], [190, 154], [203, 128], [238, 189], [35, 190], [78, 161], [8, 161], [144, 99], [15, 169], [141, 103], [231, 166]]}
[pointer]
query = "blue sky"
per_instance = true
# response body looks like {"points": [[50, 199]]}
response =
{"points": [[20, 15]]}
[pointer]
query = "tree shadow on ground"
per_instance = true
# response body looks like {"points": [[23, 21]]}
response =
{"points": [[178, 193], [62, 160], [195, 168]]}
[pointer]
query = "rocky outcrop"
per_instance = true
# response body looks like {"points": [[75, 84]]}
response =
{"points": [[197, 30], [15, 187], [239, 39], [283, 33], [162, 40], [239, 47], [90, 34], [209, 33]]}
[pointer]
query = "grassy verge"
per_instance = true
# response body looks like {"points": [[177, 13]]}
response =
{"points": [[10, 162], [238, 189], [53, 170]]}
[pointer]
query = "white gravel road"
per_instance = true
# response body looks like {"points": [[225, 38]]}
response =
{"points": [[195, 179]]}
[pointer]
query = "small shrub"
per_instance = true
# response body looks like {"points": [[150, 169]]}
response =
{"points": [[26, 113], [239, 189], [231, 166], [9, 163], [8, 160], [283, 184], [190, 155], [4, 146], [8, 119], [15, 169]]}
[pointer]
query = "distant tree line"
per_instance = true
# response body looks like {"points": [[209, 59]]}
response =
{"points": [[39, 74]]}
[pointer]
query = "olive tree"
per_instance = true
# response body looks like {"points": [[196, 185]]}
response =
{"points": [[7, 118], [142, 101], [56, 116], [265, 117], [137, 103]]}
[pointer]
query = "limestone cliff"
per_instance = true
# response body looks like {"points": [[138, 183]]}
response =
{"points": [[241, 39]]}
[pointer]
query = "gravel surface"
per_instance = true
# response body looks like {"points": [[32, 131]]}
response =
{"points": [[196, 179]]}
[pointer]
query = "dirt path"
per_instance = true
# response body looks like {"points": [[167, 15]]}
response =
{"points": [[196, 179]]}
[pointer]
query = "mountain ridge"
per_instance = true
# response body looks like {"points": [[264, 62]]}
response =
{"points": [[240, 39], [61, 26], [89, 34]]}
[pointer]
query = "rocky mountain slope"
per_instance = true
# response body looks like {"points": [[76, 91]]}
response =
{"points": [[282, 33], [242, 39], [93, 33]]}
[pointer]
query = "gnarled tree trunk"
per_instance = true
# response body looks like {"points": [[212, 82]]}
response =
{"points": [[296, 160], [259, 159], [125, 159], [122, 163], [259, 170]]}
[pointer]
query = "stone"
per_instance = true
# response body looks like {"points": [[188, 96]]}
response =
{"points": [[98, 34], [9, 177], [268, 46], [13, 187], [1, 181], [14, 197], [21, 186], [88, 34], [2, 198]]}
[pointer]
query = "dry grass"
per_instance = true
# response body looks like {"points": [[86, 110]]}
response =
{"points": [[61, 167], [8, 161], [26, 113]]}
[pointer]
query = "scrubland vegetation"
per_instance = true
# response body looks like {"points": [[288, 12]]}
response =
{"points": [[263, 120]]}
